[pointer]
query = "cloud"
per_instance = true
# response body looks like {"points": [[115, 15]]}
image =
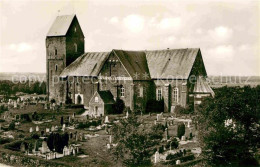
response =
{"points": [[114, 20], [20, 47], [221, 53], [170, 23], [221, 33], [134, 23]]}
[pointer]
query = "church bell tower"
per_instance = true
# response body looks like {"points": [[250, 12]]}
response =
{"points": [[64, 44]]}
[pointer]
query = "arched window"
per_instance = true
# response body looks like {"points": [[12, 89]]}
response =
{"points": [[96, 99], [56, 67], [76, 47], [75, 29], [56, 52], [175, 95], [122, 91]]}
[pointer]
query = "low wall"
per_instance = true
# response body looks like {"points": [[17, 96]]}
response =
{"points": [[18, 159]]}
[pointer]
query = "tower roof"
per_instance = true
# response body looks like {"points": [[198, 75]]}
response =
{"points": [[61, 25]]}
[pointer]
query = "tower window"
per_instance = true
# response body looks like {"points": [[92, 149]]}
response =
{"points": [[96, 99], [75, 29], [122, 91], [56, 67], [56, 52], [175, 95], [159, 94], [76, 47]]}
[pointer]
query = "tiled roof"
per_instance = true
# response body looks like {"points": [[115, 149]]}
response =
{"points": [[88, 64], [135, 63], [61, 25], [202, 87], [171, 63], [141, 65], [107, 97]]}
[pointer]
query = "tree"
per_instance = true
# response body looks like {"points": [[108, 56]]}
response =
{"points": [[118, 106], [154, 106], [181, 130], [57, 141], [134, 142], [11, 126], [229, 126]]}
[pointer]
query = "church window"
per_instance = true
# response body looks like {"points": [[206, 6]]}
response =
{"points": [[175, 95], [56, 52], [159, 94], [96, 99], [75, 29], [76, 47], [122, 91], [56, 67]]}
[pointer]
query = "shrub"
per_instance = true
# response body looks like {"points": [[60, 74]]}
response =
{"points": [[35, 136], [181, 130], [154, 106], [11, 126], [161, 149], [118, 107], [174, 143]]}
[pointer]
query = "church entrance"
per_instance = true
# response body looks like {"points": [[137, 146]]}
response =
{"points": [[79, 100], [96, 110]]}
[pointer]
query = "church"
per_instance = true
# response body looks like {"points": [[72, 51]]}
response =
{"points": [[176, 76]]}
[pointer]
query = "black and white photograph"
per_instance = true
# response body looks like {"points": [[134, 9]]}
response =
{"points": [[129, 83]]}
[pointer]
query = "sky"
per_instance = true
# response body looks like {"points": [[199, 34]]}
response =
{"points": [[227, 32]]}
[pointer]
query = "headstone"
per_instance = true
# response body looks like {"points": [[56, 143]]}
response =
{"points": [[15, 104], [44, 147], [69, 119], [178, 162], [157, 116], [149, 114], [106, 119], [155, 122], [52, 128], [110, 139], [47, 130], [156, 157], [31, 130], [45, 106], [37, 128], [108, 146], [127, 114], [63, 127], [188, 124], [22, 147], [183, 138]]}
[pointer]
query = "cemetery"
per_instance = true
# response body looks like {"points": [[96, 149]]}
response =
{"points": [[60, 134]]}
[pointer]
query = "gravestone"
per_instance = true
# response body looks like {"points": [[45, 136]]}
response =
{"points": [[63, 127], [31, 130], [15, 104], [110, 139], [44, 147], [155, 122], [188, 124], [183, 138], [45, 106], [47, 130], [156, 157], [37, 128], [108, 146], [178, 162], [22, 147], [127, 114], [52, 128], [106, 119]]}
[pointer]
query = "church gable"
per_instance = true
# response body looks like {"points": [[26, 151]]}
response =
{"points": [[113, 67], [198, 67]]}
